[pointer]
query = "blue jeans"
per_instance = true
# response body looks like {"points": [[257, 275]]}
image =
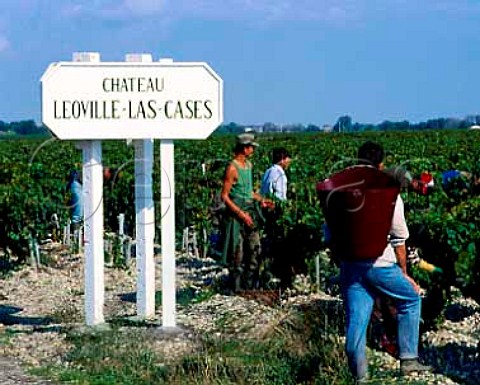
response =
{"points": [[361, 283]]}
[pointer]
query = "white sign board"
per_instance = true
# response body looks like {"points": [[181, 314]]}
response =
{"points": [[117, 100]]}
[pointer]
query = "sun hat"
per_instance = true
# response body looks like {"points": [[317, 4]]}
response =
{"points": [[246, 139]]}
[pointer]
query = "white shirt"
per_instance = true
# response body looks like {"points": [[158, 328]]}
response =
{"points": [[274, 182], [398, 236]]}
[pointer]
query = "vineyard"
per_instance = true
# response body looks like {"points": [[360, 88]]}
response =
{"points": [[444, 226]]}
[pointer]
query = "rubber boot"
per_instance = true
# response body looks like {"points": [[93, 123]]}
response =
{"points": [[413, 366]]}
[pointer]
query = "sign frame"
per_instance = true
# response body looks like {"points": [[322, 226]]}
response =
{"points": [[145, 100]]}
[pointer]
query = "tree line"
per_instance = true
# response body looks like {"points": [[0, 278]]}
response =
{"points": [[343, 124], [24, 127]]}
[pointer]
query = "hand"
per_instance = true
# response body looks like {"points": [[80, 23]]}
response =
{"points": [[267, 203], [246, 218]]}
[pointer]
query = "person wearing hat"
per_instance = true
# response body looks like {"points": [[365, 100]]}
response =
{"points": [[241, 238]]}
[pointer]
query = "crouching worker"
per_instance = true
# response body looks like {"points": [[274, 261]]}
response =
{"points": [[372, 258]]}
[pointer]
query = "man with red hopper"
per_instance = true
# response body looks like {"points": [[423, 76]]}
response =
{"points": [[365, 216]]}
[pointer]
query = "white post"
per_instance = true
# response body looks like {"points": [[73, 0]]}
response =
{"points": [[122, 238], [167, 187], [144, 218], [205, 243], [37, 252], [144, 229], [195, 244], [80, 240], [93, 213], [66, 233], [121, 225], [185, 240]]}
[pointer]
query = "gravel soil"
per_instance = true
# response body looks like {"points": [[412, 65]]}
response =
{"points": [[36, 304]]}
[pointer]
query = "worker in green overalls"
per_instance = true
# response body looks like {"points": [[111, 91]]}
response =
{"points": [[241, 238]]}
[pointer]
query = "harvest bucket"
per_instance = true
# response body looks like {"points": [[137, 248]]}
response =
{"points": [[358, 205]]}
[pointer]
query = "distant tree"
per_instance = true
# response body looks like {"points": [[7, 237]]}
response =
{"points": [[394, 126], [453, 123], [344, 124], [404, 125], [386, 125], [357, 127], [312, 128], [472, 120], [436, 124], [368, 127], [270, 127], [26, 127], [230, 128], [293, 128], [464, 124]]}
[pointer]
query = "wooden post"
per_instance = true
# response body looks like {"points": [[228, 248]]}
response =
{"points": [[144, 218], [93, 213]]}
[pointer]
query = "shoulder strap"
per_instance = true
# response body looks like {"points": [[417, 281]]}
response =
{"points": [[248, 165], [235, 164]]}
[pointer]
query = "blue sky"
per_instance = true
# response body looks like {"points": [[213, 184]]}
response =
{"points": [[282, 61]]}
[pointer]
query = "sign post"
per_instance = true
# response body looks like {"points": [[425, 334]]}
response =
{"points": [[142, 100], [167, 188], [144, 218], [92, 182]]}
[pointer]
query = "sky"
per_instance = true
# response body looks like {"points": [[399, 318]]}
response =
{"points": [[281, 61]]}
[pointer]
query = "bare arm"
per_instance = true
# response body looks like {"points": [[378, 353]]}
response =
{"points": [[400, 234], [257, 196], [265, 202], [401, 254]]}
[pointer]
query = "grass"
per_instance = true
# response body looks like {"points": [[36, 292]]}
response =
{"points": [[107, 358], [302, 348], [187, 295], [66, 313], [5, 336], [294, 351]]}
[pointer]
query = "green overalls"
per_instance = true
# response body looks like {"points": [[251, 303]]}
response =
{"points": [[241, 247]]}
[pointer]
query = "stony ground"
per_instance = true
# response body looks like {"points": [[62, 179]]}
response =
{"points": [[37, 303]]}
